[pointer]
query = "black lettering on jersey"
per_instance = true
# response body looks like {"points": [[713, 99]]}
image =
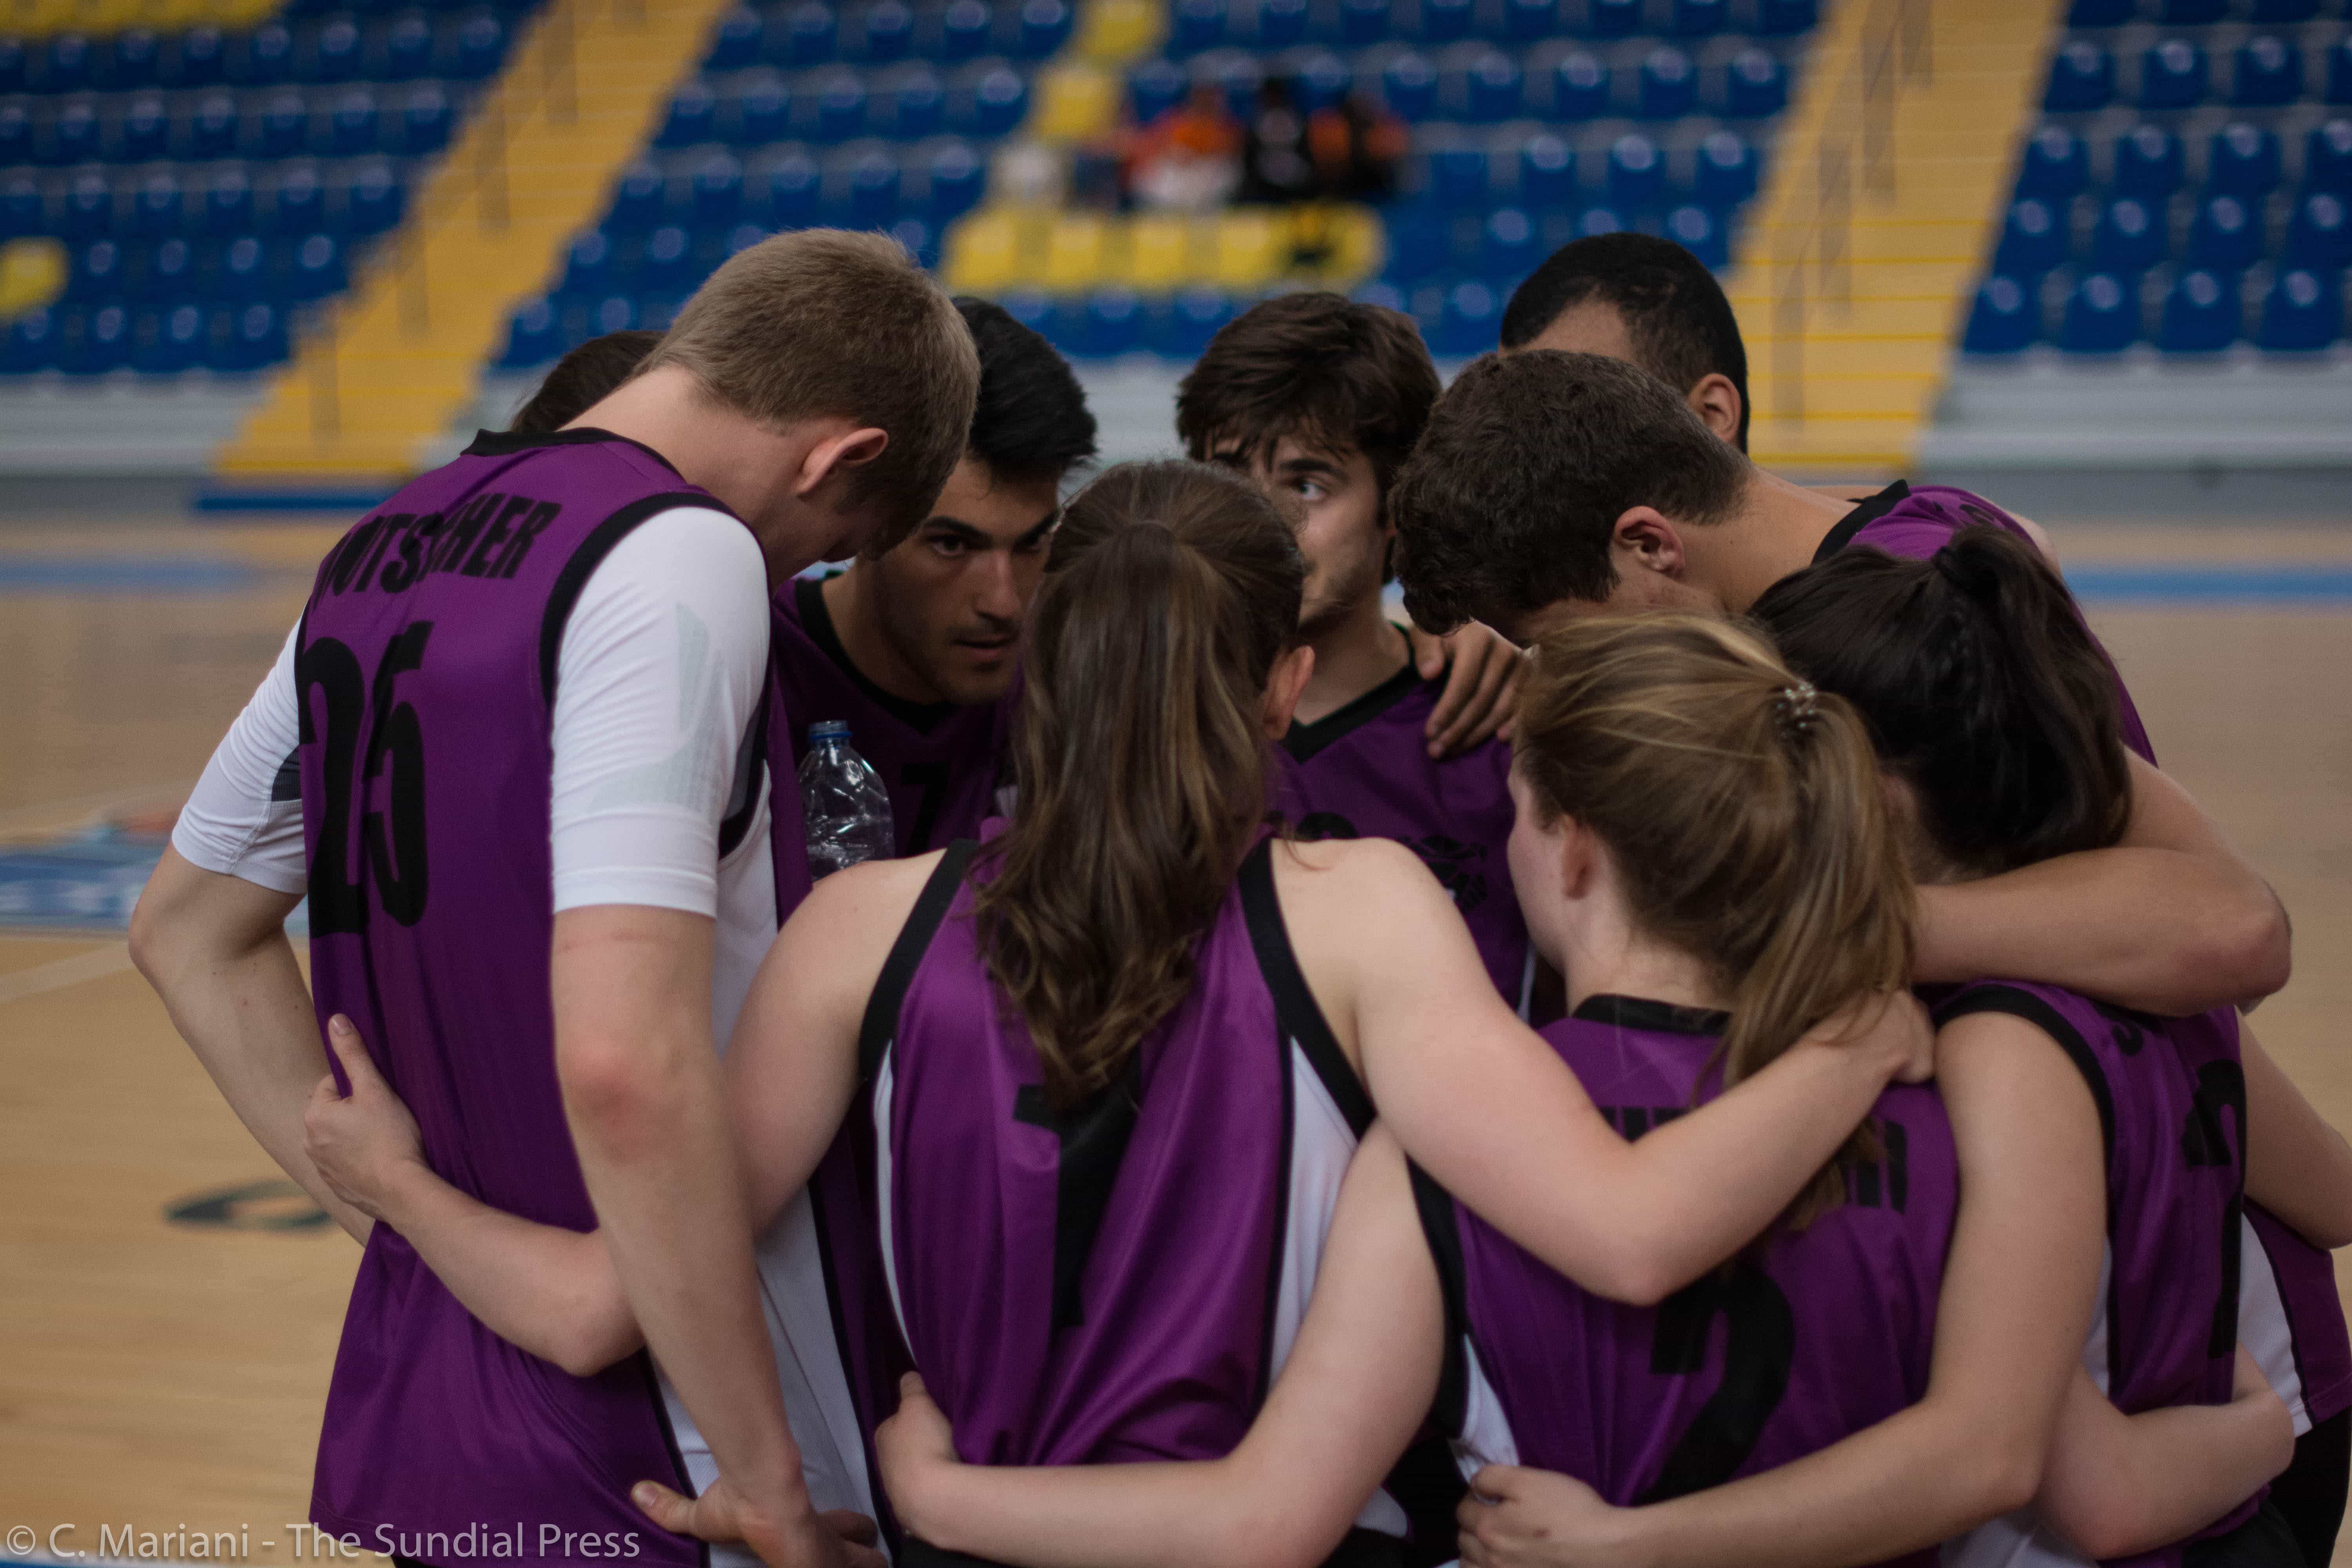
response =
{"points": [[1318, 824], [346, 558], [530, 528], [1759, 1343], [1896, 1139], [1976, 513], [1450, 860], [2129, 1032], [402, 572], [396, 525], [462, 529], [2220, 1088], [1631, 1121], [1863, 1184], [480, 561]]}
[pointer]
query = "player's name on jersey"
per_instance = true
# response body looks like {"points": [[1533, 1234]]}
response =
{"points": [[486, 537]]}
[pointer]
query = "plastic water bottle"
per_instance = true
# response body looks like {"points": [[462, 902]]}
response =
{"points": [[844, 804]]}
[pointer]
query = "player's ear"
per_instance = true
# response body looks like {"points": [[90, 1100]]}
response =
{"points": [[1283, 686], [1645, 539], [1716, 403], [1579, 853], [836, 452]]}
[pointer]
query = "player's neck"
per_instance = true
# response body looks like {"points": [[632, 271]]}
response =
{"points": [[1618, 962], [848, 604], [1775, 531], [1354, 652]]}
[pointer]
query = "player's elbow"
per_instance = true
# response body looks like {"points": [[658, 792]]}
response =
{"points": [[2249, 950], [1633, 1268], [1997, 1477], [1272, 1534], [614, 1095], [585, 1348]]}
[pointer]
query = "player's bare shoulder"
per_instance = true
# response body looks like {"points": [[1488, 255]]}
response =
{"points": [[1347, 877]]}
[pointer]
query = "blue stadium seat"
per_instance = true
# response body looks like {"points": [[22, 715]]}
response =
{"points": [[2005, 318], [481, 45], [67, 64], [534, 336], [214, 128], [2267, 73], [1669, 84], [2057, 163], [1546, 170], [198, 57], [2270, 11], [355, 127], [2227, 237], [1637, 171], [1702, 232], [407, 48], [166, 340], [1700, 19], [692, 115], [2150, 163], [157, 209], [130, 59], [2302, 312], [1784, 19], [735, 41], [2081, 79], [872, 189], [1755, 84], [793, 188], [808, 37], [2102, 315], [637, 196], [1363, 22], [2173, 74], [595, 317], [2328, 157], [841, 104], [886, 32], [667, 264], [2319, 237], [1280, 24], [1727, 170], [1420, 239], [764, 113], [89, 208], [74, 135], [228, 204], [2339, 71], [1000, 96], [2129, 237], [255, 339], [1579, 87], [241, 270], [1154, 88], [1510, 245], [1110, 322], [964, 30], [334, 55], [956, 180], [299, 204], [1469, 324], [1444, 21], [374, 201], [284, 129], [22, 211], [918, 102], [920, 238], [1458, 177], [263, 58], [1195, 25], [1322, 81], [718, 189], [1523, 21], [1494, 87], [31, 344], [2100, 13], [171, 269], [1409, 87], [587, 263], [315, 268], [2245, 160], [1031, 308], [97, 272], [102, 345], [2033, 238], [145, 133], [2191, 13], [426, 122], [12, 63], [1613, 18], [16, 134]]}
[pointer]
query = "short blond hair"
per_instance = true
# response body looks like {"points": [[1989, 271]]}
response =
{"points": [[824, 322]]}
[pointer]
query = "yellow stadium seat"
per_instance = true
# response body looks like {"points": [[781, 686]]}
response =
{"points": [[1076, 102], [1252, 248], [1113, 32], [1078, 252], [32, 274], [1159, 252], [984, 252]]}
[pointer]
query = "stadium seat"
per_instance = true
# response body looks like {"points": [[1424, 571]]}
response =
{"points": [[2173, 74], [1510, 245], [2148, 163], [284, 129], [718, 190], [16, 134], [1363, 22], [1579, 87], [1444, 21], [166, 340], [794, 189], [2130, 237], [170, 271], [1469, 323], [1523, 21], [808, 37], [68, 63], [2339, 71], [255, 339], [919, 237], [873, 190], [1181, 325], [917, 103], [1111, 322], [1322, 81], [228, 204], [1194, 25], [426, 122], [1700, 19], [214, 128], [1755, 84], [1669, 84], [1032, 309], [2302, 312], [97, 274], [999, 98], [1702, 232], [587, 263], [22, 210], [534, 336], [1493, 87], [102, 343], [31, 344], [886, 32], [841, 104], [315, 268], [143, 134], [1155, 86], [1280, 24], [263, 58], [667, 264], [374, 201], [2245, 160], [1784, 19], [2227, 235], [407, 48], [2081, 79], [1546, 170], [2005, 318], [1458, 177], [2272, 11], [762, 114], [693, 113], [964, 30], [1046, 27], [1420, 240], [129, 60], [74, 135], [1613, 18], [735, 42], [241, 270], [334, 55], [1637, 172], [156, 211], [299, 204], [89, 208], [2320, 235], [481, 44], [1249, 249], [355, 127], [2267, 72], [1409, 87], [2057, 163], [12, 63], [955, 180], [1727, 170], [198, 57], [637, 196], [2328, 157], [2191, 13], [2102, 315], [2032, 239]]}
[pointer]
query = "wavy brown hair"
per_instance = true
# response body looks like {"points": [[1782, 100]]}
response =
{"points": [[1744, 817], [1140, 757]]}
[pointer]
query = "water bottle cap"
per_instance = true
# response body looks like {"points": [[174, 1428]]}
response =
{"points": [[827, 729]]}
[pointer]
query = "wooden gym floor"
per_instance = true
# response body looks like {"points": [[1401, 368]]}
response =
{"points": [[167, 1375]]}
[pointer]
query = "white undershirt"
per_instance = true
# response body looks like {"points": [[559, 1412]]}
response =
{"points": [[658, 676]]}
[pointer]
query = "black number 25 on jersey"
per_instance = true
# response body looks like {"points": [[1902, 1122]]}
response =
{"points": [[390, 852]]}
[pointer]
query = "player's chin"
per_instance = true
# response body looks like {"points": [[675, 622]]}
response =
{"points": [[977, 675]]}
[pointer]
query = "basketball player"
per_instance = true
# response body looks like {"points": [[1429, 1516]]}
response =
{"points": [[1320, 398], [584, 378], [1641, 741], [509, 752], [1109, 1071]]}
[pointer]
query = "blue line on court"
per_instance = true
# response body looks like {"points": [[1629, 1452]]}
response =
{"points": [[2207, 583], [122, 574]]}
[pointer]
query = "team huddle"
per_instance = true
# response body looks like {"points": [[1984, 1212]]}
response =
{"points": [[1718, 1045]]}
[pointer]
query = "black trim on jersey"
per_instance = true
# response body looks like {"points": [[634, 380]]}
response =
{"points": [[1867, 511], [1304, 741], [1644, 1013], [287, 783], [584, 561], [1295, 1011], [1094, 1138], [2024, 1005], [1441, 1228], [743, 800], [506, 443], [644, 1362], [816, 619], [881, 1022]]}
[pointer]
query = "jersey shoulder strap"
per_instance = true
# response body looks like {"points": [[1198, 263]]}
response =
{"points": [[1294, 1003], [881, 1023], [2020, 1003], [1440, 1225]]}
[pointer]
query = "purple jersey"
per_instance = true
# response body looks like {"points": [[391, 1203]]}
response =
{"points": [[425, 671], [1825, 1330], [1122, 1282], [1364, 771], [2173, 1112], [937, 759]]}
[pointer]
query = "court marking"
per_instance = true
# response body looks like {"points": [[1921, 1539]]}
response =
{"points": [[56, 975], [2208, 583], [123, 573], [43, 816]]}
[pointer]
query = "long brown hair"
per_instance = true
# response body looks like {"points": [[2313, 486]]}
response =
{"points": [[1742, 812], [1140, 757]]}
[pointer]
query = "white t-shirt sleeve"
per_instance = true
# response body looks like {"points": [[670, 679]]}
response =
{"points": [[244, 820], [657, 682]]}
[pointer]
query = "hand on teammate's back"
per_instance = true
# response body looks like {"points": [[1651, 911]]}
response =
{"points": [[1482, 688], [915, 1448], [359, 1142], [1536, 1519], [1893, 1023], [723, 1514]]}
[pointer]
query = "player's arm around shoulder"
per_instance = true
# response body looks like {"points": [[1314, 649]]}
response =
{"points": [[792, 1067]]}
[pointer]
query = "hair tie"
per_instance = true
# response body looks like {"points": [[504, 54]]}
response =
{"points": [[1797, 708], [1980, 585]]}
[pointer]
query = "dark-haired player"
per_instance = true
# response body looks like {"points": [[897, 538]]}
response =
{"points": [[582, 379], [1320, 399]]}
